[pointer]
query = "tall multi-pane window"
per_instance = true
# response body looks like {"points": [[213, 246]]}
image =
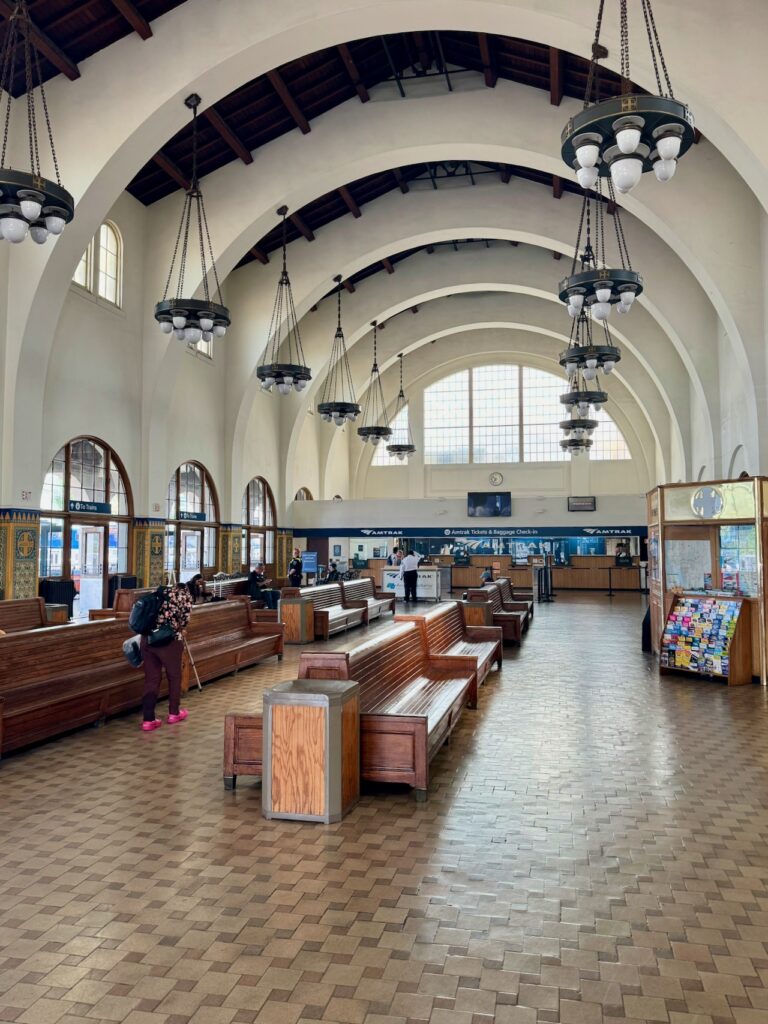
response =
{"points": [[502, 414], [192, 511], [100, 269], [109, 264], [447, 420], [542, 413], [399, 427], [608, 441], [495, 414], [258, 518]]}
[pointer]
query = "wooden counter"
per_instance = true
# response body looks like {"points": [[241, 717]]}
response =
{"points": [[595, 578]]}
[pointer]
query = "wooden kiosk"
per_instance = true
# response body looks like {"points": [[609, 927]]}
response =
{"points": [[707, 578]]}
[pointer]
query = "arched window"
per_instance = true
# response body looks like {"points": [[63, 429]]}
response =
{"points": [[399, 427], [303, 494], [85, 523], [504, 414], [191, 533], [259, 529], [100, 269]]}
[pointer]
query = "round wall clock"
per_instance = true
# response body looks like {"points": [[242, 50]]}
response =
{"points": [[496, 479]]}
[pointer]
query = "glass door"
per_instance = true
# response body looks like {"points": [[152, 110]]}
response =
{"points": [[190, 553], [87, 563]]}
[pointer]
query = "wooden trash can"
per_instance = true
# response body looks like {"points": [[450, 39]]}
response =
{"points": [[298, 616], [311, 750]]}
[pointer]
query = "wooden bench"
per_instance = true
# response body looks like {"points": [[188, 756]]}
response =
{"points": [[362, 594], [446, 632], [330, 614], [514, 596], [513, 622], [24, 614], [224, 637], [122, 603], [63, 677], [410, 702]]}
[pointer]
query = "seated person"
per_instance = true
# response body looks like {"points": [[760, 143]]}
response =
{"points": [[487, 575], [259, 587], [198, 590], [333, 573]]}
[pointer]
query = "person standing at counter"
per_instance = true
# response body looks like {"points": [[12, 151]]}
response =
{"points": [[295, 569], [396, 557], [409, 574]]}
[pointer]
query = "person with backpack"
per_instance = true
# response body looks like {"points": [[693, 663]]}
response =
{"points": [[160, 619]]}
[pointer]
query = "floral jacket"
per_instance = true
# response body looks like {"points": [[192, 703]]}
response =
{"points": [[175, 610]]}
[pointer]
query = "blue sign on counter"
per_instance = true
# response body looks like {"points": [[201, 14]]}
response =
{"points": [[309, 562]]}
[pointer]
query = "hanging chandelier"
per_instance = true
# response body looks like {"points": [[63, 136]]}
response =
{"points": [[375, 424], [191, 319], [29, 203], [289, 372], [402, 439], [581, 402], [629, 134], [586, 355], [597, 286], [337, 401]]}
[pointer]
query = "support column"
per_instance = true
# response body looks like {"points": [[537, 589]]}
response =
{"points": [[284, 553], [149, 551], [230, 547], [19, 551]]}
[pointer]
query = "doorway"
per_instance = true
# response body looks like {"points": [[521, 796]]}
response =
{"points": [[86, 554], [190, 554]]}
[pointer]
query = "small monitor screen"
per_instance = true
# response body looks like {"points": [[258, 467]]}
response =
{"points": [[489, 504]]}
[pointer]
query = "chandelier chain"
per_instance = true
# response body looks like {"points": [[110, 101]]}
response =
{"points": [[173, 258], [593, 77], [621, 241], [34, 155], [201, 242], [655, 45], [576, 251], [624, 48], [47, 116], [187, 219], [6, 79], [209, 245]]}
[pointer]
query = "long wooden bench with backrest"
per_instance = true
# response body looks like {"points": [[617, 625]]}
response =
{"points": [[512, 597], [513, 623], [224, 637], [515, 605], [410, 701], [446, 632], [64, 677], [22, 614], [329, 612], [125, 599], [362, 594]]}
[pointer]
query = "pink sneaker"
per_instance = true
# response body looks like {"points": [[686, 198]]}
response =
{"points": [[151, 726], [173, 719]]}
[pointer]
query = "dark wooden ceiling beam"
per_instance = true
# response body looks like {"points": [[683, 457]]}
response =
{"points": [[45, 45], [556, 76], [557, 255], [352, 206], [348, 286], [557, 186], [354, 75], [234, 142], [290, 104], [388, 266], [506, 174], [301, 226], [259, 255], [489, 71], [402, 183], [171, 169], [134, 17]]}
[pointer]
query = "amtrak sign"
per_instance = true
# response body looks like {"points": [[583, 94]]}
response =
{"points": [[472, 532]]}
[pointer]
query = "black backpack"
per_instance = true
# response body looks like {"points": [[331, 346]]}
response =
{"points": [[143, 617]]}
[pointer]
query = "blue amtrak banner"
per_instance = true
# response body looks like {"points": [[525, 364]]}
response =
{"points": [[475, 531]]}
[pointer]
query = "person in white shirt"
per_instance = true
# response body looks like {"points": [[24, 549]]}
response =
{"points": [[409, 575]]}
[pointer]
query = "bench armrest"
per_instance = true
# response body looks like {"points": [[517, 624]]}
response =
{"points": [[484, 633], [457, 664]]}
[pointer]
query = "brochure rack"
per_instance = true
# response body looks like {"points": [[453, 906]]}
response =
{"points": [[708, 635]]}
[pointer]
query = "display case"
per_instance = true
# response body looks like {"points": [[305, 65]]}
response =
{"points": [[708, 635], [707, 539]]}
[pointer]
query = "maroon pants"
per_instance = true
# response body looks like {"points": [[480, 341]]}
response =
{"points": [[155, 660]]}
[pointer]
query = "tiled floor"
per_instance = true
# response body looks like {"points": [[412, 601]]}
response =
{"points": [[594, 850]]}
